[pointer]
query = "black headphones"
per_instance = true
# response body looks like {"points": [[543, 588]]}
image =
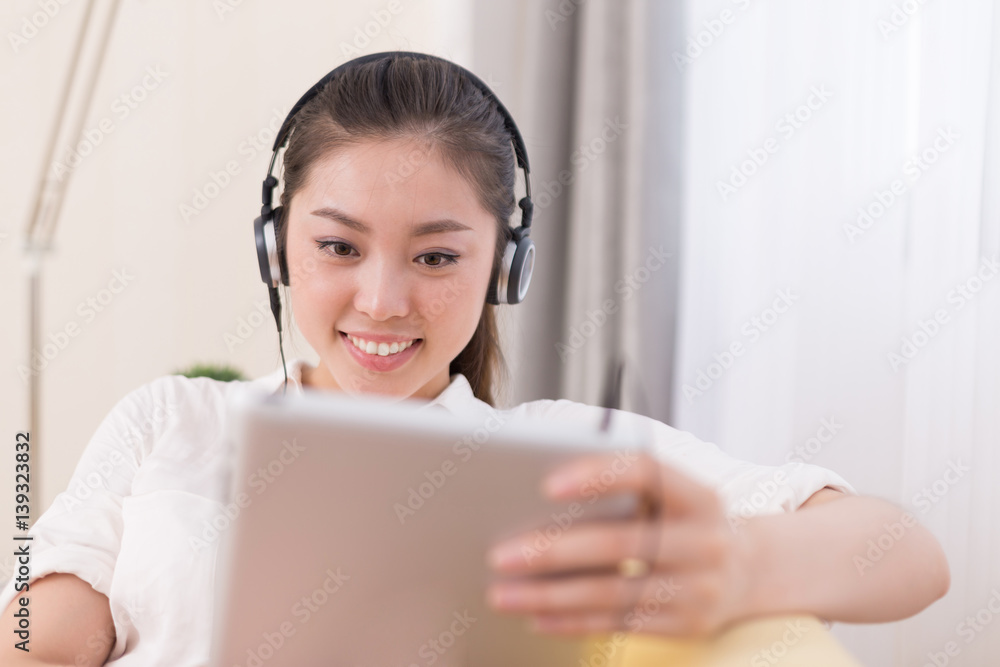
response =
{"points": [[508, 282]]}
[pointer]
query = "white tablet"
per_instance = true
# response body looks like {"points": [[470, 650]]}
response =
{"points": [[364, 525]]}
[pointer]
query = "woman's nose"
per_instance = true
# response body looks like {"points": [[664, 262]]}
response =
{"points": [[382, 290]]}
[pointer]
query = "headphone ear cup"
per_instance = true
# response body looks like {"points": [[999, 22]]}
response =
{"points": [[272, 269], [509, 283], [521, 266]]}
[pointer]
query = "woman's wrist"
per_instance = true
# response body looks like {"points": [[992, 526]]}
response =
{"points": [[760, 593], [773, 579]]}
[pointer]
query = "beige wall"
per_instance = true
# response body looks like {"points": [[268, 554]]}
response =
{"points": [[223, 76]]}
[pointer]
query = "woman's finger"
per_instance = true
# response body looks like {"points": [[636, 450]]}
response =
{"points": [[604, 544], [570, 595], [672, 492], [667, 606], [565, 594]]}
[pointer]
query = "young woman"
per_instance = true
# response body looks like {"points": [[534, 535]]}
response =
{"points": [[398, 191]]}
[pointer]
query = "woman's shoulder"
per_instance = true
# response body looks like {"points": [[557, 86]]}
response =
{"points": [[585, 414], [167, 414], [174, 397], [549, 408], [174, 391]]}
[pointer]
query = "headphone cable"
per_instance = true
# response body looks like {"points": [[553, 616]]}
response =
{"points": [[276, 310]]}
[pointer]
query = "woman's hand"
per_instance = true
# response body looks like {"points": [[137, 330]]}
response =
{"points": [[698, 580]]}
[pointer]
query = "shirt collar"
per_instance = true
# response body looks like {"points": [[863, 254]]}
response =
{"points": [[457, 398]]}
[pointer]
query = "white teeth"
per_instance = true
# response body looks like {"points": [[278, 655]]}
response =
{"points": [[381, 349]]}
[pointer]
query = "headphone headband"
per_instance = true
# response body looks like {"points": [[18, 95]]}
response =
{"points": [[520, 152]]}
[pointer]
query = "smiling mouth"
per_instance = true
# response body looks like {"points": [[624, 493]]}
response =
{"points": [[374, 349]]}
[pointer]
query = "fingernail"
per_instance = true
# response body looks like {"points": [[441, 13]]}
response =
{"points": [[505, 597], [543, 624], [560, 484], [505, 555]]}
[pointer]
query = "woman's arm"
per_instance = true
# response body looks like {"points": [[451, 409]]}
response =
{"points": [[70, 624], [856, 559]]}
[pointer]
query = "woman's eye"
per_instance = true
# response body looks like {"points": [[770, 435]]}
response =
{"points": [[436, 259], [340, 248]]}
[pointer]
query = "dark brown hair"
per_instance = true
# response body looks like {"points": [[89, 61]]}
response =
{"points": [[435, 104]]}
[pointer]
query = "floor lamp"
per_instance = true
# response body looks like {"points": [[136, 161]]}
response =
{"points": [[50, 191]]}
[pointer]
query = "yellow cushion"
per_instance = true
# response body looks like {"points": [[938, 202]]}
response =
{"points": [[788, 641]]}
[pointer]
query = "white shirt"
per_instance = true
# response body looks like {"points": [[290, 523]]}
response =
{"points": [[157, 470]]}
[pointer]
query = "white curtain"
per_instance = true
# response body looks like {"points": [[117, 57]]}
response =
{"points": [[624, 213], [839, 295], [598, 101]]}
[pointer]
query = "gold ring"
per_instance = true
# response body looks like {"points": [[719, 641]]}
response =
{"points": [[633, 568]]}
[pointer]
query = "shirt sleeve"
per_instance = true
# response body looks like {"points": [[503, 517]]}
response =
{"points": [[80, 533], [746, 489]]}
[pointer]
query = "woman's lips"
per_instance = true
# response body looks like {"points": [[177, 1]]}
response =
{"points": [[374, 362]]}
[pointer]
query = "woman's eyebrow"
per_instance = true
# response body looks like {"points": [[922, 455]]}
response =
{"points": [[422, 229]]}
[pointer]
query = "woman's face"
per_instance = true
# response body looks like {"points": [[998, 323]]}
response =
{"points": [[388, 249]]}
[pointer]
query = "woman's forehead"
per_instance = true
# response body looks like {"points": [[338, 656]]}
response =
{"points": [[392, 177]]}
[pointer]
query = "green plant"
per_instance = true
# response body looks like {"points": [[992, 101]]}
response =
{"points": [[221, 372]]}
